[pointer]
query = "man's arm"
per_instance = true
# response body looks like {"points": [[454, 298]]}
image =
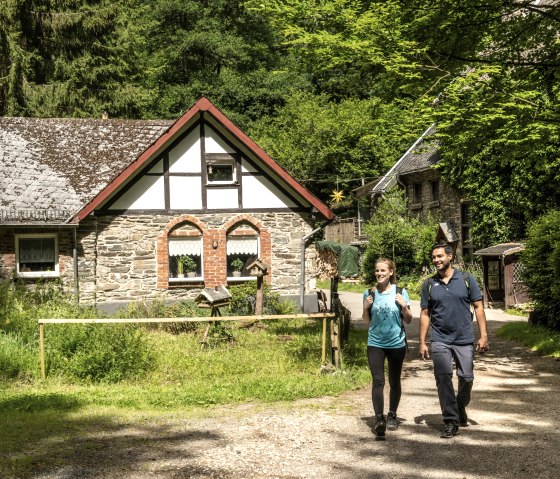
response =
{"points": [[482, 344], [424, 325]]}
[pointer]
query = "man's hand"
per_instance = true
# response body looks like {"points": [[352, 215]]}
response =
{"points": [[482, 345], [423, 349]]}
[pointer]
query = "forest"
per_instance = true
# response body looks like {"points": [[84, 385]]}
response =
{"points": [[334, 90]]}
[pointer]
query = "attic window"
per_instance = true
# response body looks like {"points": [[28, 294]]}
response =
{"points": [[37, 255], [220, 169]]}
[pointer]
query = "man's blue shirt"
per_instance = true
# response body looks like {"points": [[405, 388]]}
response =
{"points": [[449, 305]]}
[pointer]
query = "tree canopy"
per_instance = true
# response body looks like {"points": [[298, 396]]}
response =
{"points": [[335, 90]]}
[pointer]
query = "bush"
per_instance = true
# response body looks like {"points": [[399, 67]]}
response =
{"points": [[394, 235], [541, 271], [98, 353], [244, 297]]}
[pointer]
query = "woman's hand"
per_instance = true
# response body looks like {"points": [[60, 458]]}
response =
{"points": [[400, 300]]}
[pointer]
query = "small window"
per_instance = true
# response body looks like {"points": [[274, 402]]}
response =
{"points": [[241, 251], [220, 169], [37, 255], [434, 190], [185, 259], [417, 193]]}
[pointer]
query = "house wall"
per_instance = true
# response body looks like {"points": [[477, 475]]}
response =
{"points": [[447, 209], [65, 252], [125, 257]]}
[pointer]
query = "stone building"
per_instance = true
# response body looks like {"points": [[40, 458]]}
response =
{"points": [[427, 195], [113, 208]]}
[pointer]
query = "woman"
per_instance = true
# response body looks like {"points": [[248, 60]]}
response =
{"points": [[386, 339]]}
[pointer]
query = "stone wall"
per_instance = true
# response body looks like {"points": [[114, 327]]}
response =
{"points": [[446, 209], [125, 258]]}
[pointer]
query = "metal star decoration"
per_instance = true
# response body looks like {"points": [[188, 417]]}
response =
{"points": [[337, 196]]}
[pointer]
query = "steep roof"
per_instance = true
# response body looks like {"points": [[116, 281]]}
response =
{"points": [[55, 171], [51, 167], [422, 155]]}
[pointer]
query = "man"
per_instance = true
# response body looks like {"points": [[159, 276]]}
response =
{"points": [[445, 304]]}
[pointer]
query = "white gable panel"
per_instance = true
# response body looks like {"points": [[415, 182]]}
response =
{"points": [[185, 193], [145, 194], [221, 198], [215, 144], [185, 156], [247, 167], [259, 192]]}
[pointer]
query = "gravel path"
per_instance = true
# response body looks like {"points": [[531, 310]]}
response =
{"points": [[513, 431]]}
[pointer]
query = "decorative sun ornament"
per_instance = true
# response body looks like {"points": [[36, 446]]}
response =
{"points": [[337, 196]]}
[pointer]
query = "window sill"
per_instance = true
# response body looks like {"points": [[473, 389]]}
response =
{"points": [[236, 279], [196, 279], [38, 275], [415, 206], [433, 204]]}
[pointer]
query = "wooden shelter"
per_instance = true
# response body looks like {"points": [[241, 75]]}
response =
{"points": [[502, 269]]}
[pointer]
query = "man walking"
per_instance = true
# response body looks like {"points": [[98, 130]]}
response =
{"points": [[445, 303]]}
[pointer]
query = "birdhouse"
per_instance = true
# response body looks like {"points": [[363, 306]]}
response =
{"points": [[213, 297], [257, 268]]}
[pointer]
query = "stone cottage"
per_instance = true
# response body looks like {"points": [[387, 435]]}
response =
{"points": [[113, 208], [427, 195]]}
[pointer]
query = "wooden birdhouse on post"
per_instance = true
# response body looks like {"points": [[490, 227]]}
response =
{"points": [[258, 268]]}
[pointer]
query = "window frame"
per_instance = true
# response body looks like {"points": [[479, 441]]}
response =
{"points": [[221, 159], [195, 279], [37, 274], [417, 193]]}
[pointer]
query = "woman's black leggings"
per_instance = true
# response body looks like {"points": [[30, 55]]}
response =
{"points": [[376, 361]]}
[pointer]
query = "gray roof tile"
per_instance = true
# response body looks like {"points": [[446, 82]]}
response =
{"points": [[55, 166]]}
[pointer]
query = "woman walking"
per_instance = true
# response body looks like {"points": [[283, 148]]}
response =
{"points": [[385, 307]]}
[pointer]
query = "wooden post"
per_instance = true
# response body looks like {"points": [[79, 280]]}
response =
{"points": [[259, 298], [42, 348], [324, 348]]}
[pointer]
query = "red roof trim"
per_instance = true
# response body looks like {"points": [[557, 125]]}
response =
{"points": [[203, 104]]}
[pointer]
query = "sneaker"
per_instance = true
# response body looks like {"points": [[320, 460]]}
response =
{"points": [[451, 429], [380, 426], [463, 419], [392, 423]]}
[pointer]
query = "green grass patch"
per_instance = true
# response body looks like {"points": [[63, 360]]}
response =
{"points": [[346, 287], [537, 338]]}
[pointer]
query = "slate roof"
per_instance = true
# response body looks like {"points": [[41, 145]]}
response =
{"points": [[503, 249], [50, 168], [422, 155]]}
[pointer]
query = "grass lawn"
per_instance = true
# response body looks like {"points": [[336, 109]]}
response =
{"points": [[537, 338], [277, 362]]}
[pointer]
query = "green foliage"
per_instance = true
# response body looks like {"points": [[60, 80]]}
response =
{"points": [[538, 338], [187, 263], [243, 299], [394, 235], [98, 353], [236, 264], [541, 260]]}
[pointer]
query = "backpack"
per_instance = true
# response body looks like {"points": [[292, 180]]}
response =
{"points": [[371, 292]]}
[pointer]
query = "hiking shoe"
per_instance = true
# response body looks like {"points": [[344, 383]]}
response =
{"points": [[380, 426], [392, 423], [463, 419], [451, 429]]}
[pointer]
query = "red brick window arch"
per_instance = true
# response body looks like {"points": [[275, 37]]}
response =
{"points": [[246, 240], [181, 252]]}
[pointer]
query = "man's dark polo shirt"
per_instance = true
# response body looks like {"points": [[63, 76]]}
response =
{"points": [[449, 306]]}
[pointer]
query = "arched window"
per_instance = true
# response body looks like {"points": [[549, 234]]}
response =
{"points": [[186, 262], [242, 248]]}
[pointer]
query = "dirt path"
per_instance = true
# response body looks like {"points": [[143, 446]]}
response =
{"points": [[514, 434]]}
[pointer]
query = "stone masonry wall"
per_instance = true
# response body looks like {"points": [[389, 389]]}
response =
{"points": [[447, 209], [125, 258]]}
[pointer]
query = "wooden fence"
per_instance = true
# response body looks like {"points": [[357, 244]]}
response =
{"points": [[323, 315]]}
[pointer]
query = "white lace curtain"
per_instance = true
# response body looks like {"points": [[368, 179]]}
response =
{"points": [[185, 246], [36, 250], [243, 245]]}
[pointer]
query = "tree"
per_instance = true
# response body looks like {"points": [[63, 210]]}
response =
{"points": [[395, 235]]}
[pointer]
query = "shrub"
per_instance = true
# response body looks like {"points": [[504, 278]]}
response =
{"points": [[244, 298], [541, 259], [394, 235]]}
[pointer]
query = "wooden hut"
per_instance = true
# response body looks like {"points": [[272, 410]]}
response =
{"points": [[502, 269]]}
